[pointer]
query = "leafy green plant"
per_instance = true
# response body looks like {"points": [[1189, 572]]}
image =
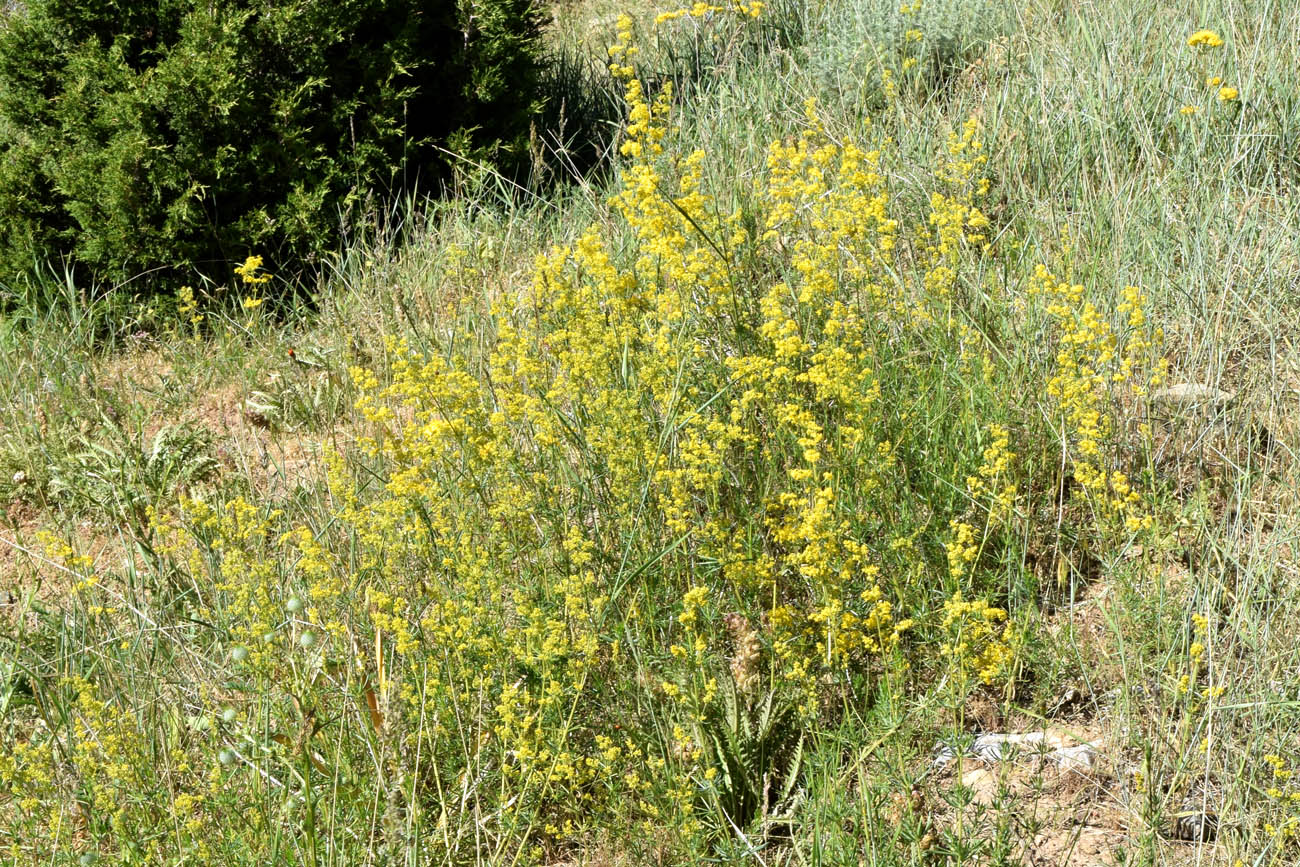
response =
{"points": [[144, 141], [309, 395], [120, 476], [757, 746]]}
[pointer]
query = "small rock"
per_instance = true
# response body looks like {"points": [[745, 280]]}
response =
{"points": [[1195, 827], [1054, 747], [1190, 395], [1080, 758], [1072, 697]]}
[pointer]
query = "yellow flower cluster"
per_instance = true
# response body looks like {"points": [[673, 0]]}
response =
{"points": [[956, 221], [962, 550], [187, 306], [701, 683], [981, 642], [992, 478], [709, 405], [705, 10], [1091, 364], [1284, 825], [249, 271], [1226, 94], [251, 275], [668, 410], [112, 764], [1196, 666]]}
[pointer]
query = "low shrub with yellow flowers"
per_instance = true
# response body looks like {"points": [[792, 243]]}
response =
{"points": [[602, 561], [1099, 369], [1283, 822]]}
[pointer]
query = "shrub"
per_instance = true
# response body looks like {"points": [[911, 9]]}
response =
{"points": [[141, 139]]}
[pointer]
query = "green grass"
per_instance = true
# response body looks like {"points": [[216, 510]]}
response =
{"points": [[172, 457]]}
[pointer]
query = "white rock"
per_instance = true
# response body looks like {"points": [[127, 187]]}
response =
{"points": [[1055, 747], [1186, 395]]}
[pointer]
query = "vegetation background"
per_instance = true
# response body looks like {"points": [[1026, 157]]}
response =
{"points": [[149, 144], [849, 381]]}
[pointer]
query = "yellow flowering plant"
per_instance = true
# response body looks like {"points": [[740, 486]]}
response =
{"points": [[702, 418], [734, 464], [1214, 81]]}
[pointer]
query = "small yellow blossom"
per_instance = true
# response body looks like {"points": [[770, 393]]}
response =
{"points": [[185, 300], [248, 271], [1227, 94], [1205, 39]]}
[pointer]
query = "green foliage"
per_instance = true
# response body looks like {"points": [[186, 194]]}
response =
{"points": [[142, 140], [757, 747], [311, 396], [119, 475], [469, 633]]}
